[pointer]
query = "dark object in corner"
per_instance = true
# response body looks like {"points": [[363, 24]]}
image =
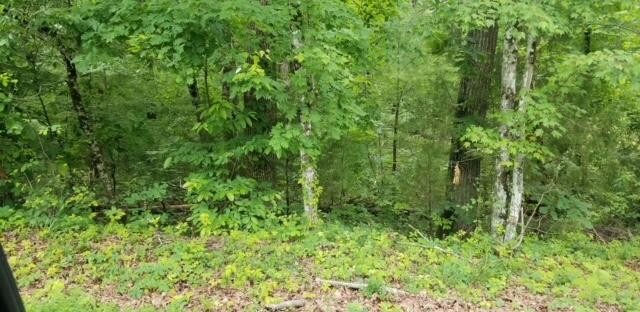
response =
{"points": [[10, 300]]}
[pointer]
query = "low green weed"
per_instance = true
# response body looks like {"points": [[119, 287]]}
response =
{"points": [[80, 266]]}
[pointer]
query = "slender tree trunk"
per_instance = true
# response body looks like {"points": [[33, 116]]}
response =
{"points": [[206, 83], [97, 165], [194, 92], [396, 111], [473, 103], [309, 178], [587, 40], [517, 184], [507, 103], [396, 121], [287, 194], [309, 174]]}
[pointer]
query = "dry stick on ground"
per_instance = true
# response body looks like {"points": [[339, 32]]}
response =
{"points": [[359, 286], [291, 304]]}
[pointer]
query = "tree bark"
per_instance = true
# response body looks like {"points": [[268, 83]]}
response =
{"points": [[396, 121], [309, 175], [206, 83], [97, 165], [507, 103], [587, 40], [473, 103], [517, 184], [194, 92], [309, 179]]}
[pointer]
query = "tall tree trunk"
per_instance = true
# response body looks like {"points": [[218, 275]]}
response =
{"points": [[396, 124], [309, 178], [97, 165], [517, 184], [507, 103], [309, 173], [587, 40], [206, 82], [194, 92], [473, 102]]}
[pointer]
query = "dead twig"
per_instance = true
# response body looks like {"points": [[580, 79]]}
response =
{"points": [[359, 286], [290, 304]]}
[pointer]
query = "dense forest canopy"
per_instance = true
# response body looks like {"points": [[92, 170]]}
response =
{"points": [[455, 114], [226, 155]]}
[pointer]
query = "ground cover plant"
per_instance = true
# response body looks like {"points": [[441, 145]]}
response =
{"points": [[79, 265], [332, 155]]}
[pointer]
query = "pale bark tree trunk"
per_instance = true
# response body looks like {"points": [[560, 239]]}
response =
{"points": [[97, 165], [309, 175], [517, 184], [309, 179], [507, 103], [473, 102]]}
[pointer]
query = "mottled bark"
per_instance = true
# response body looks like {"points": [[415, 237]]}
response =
{"points": [[97, 165], [309, 178], [507, 103], [474, 97], [517, 183], [309, 175]]}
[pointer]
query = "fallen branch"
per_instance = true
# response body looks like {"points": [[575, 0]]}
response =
{"points": [[359, 286], [290, 304]]}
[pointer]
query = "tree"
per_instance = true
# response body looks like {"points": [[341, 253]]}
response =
{"points": [[517, 183], [507, 104], [473, 103], [324, 39], [58, 31]]}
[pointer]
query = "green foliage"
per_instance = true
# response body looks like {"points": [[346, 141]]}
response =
{"points": [[166, 140], [55, 296], [136, 264], [155, 193], [201, 103]]}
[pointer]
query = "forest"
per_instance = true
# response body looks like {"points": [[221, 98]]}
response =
{"points": [[321, 155]]}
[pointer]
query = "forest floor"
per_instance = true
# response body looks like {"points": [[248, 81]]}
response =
{"points": [[79, 266]]}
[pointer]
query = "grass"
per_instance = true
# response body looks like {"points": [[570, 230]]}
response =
{"points": [[82, 266]]}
